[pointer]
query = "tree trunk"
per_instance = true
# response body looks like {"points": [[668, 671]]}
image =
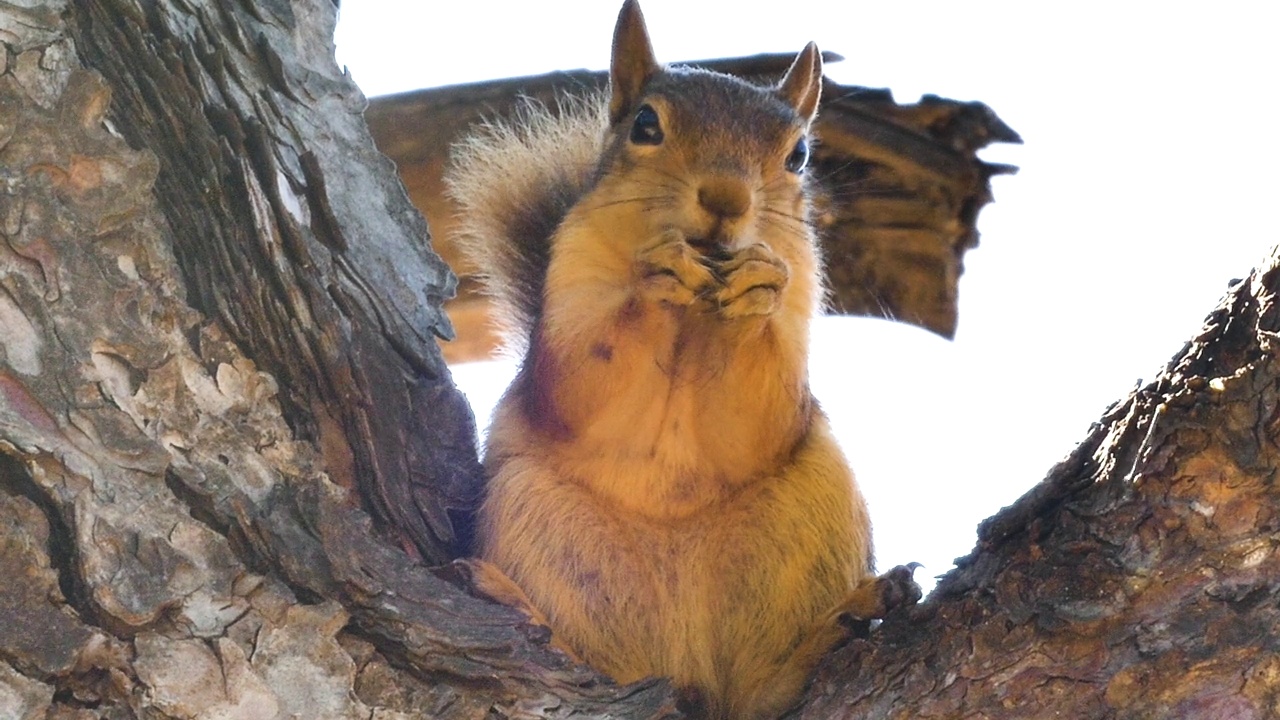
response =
{"points": [[229, 450], [210, 340]]}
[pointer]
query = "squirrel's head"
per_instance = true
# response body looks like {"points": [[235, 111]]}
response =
{"points": [[714, 156]]}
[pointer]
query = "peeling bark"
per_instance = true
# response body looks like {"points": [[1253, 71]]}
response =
{"points": [[228, 448]]}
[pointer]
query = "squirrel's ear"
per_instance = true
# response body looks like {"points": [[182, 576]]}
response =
{"points": [[633, 61], [801, 87]]}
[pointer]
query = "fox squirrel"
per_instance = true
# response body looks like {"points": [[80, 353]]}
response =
{"points": [[663, 490]]}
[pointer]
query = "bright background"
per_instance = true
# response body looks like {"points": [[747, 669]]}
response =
{"points": [[1148, 180]]}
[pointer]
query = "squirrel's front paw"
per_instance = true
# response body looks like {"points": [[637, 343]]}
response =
{"points": [[753, 281], [671, 271]]}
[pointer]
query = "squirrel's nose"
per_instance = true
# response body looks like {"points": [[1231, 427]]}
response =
{"points": [[727, 198]]}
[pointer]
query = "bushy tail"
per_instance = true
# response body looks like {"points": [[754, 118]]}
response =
{"points": [[514, 181]]}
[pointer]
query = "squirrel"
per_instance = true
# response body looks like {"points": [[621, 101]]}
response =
{"points": [[663, 490]]}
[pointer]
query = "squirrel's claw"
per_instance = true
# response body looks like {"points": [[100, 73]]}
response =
{"points": [[753, 281], [878, 596], [899, 588], [671, 271]]}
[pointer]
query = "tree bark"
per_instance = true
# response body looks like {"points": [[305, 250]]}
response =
{"points": [[229, 451], [1139, 580], [294, 236], [211, 340]]}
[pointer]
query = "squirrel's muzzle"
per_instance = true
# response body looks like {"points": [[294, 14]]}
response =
{"points": [[724, 201], [725, 198]]}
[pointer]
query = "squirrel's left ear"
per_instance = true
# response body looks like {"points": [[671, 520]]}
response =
{"points": [[633, 61], [801, 87]]}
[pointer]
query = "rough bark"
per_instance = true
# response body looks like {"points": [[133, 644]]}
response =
{"points": [[294, 236], [178, 540], [1139, 580], [216, 319]]}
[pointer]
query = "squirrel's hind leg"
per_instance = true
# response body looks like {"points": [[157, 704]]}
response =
{"points": [[872, 598], [487, 580], [875, 597]]}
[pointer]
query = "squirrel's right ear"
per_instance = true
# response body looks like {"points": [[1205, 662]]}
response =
{"points": [[801, 87], [633, 61]]}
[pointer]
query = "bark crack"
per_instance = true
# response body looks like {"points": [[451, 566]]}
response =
{"points": [[61, 548]]}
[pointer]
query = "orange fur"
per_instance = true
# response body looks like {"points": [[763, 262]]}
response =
{"points": [[663, 487]]}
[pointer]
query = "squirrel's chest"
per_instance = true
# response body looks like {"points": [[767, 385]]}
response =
{"points": [[666, 433], [651, 452]]}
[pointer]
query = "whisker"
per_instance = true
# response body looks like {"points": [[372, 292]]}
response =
{"points": [[788, 222], [681, 182], [771, 186], [765, 210], [623, 201], [652, 183]]}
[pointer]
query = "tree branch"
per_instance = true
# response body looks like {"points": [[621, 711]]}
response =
{"points": [[1140, 579]]}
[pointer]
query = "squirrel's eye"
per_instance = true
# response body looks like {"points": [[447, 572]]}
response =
{"points": [[647, 129], [799, 157]]}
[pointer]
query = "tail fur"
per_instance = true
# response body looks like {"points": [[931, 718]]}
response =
{"points": [[514, 181]]}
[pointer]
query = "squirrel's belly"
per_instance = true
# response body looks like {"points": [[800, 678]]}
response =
{"points": [[659, 460], [716, 599], [701, 599], [652, 604]]}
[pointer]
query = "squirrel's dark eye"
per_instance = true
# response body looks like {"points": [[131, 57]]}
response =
{"points": [[647, 128], [799, 157]]}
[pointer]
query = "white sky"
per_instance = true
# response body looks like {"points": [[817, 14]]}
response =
{"points": [[1148, 180]]}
